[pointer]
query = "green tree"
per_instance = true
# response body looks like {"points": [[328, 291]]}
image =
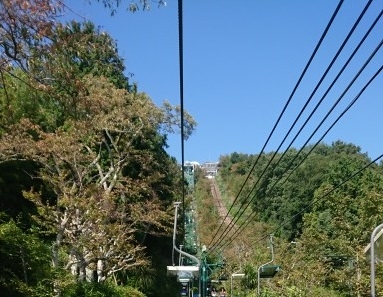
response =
{"points": [[95, 142], [25, 261], [313, 200], [75, 50], [343, 216], [99, 209], [21, 97]]}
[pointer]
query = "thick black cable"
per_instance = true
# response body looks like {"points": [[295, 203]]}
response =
{"points": [[253, 216], [278, 120], [314, 110], [181, 74]]}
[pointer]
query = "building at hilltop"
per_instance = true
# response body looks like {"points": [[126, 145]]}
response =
{"points": [[210, 168]]}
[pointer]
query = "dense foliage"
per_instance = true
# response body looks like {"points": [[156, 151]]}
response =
{"points": [[86, 186], [322, 207]]}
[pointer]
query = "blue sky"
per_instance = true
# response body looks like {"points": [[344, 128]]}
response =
{"points": [[242, 60]]}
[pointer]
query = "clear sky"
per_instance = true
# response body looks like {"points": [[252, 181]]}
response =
{"points": [[242, 60]]}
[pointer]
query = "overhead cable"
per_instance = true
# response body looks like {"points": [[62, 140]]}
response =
{"points": [[279, 118], [314, 110], [254, 214], [181, 82], [350, 84], [303, 210]]}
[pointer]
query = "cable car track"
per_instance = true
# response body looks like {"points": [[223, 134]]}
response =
{"points": [[221, 208]]}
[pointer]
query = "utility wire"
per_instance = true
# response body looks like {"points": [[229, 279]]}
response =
{"points": [[325, 94], [181, 74], [330, 87], [244, 225], [319, 199], [254, 214], [345, 41], [379, 70], [278, 120]]}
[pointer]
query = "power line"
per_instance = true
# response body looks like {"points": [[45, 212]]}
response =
{"points": [[313, 202], [351, 83], [331, 85], [333, 107], [348, 107], [244, 225], [278, 120], [181, 74]]}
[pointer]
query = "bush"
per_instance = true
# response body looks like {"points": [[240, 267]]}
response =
{"points": [[85, 289]]}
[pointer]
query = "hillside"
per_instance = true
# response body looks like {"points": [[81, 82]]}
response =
{"points": [[327, 200]]}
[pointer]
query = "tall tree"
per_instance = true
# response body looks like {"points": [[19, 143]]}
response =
{"points": [[99, 145], [106, 188]]}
